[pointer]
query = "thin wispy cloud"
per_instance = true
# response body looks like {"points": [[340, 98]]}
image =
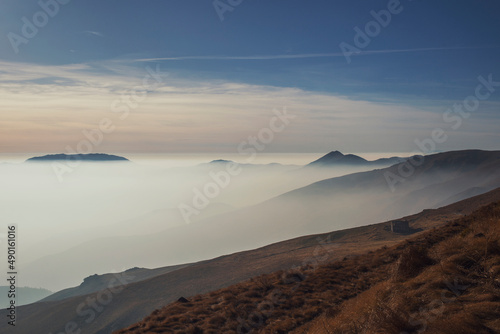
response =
{"points": [[306, 55], [93, 33], [57, 102], [190, 115]]}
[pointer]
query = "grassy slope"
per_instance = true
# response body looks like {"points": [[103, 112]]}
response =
{"points": [[441, 281], [444, 282]]}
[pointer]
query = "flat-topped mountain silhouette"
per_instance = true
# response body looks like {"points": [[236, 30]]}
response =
{"points": [[78, 157]]}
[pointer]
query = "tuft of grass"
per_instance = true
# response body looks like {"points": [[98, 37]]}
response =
{"points": [[412, 261]]}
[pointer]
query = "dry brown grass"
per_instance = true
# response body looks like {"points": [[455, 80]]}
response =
{"points": [[450, 286], [442, 281]]}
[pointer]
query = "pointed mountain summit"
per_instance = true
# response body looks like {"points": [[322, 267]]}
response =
{"points": [[336, 158]]}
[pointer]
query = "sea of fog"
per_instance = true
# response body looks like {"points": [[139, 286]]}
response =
{"points": [[55, 214]]}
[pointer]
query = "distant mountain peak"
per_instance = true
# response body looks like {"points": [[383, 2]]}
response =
{"points": [[220, 161], [338, 158], [335, 154]]}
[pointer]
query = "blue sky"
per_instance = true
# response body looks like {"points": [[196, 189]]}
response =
{"points": [[427, 58]]}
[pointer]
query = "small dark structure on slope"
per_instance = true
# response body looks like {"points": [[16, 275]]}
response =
{"points": [[400, 226]]}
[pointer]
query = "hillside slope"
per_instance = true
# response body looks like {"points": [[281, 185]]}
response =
{"points": [[100, 282], [442, 281], [139, 299]]}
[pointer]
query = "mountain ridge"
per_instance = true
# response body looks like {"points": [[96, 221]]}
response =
{"points": [[96, 282]]}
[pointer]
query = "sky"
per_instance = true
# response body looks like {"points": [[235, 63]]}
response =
{"points": [[198, 76]]}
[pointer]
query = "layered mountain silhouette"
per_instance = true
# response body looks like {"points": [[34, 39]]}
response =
{"points": [[333, 204], [78, 157], [139, 299], [100, 282]]}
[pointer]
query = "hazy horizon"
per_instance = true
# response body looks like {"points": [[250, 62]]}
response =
{"points": [[118, 201], [127, 199], [192, 159], [174, 85]]}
